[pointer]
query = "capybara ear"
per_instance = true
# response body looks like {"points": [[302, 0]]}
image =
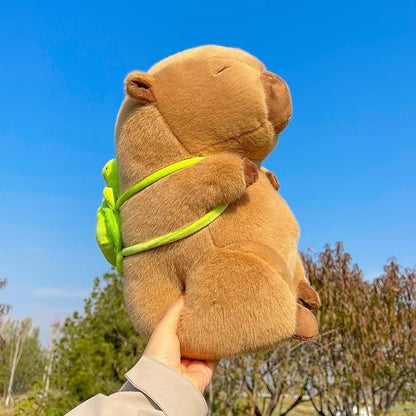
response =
{"points": [[139, 86]]}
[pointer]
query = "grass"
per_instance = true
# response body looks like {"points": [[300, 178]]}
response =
{"points": [[306, 409], [405, 409], [6, 411], [303, 409]]}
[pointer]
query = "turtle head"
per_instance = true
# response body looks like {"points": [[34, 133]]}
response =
{"points": [[110, 175]]}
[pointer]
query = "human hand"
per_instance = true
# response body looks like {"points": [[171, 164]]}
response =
{"points": [[164, 346]]}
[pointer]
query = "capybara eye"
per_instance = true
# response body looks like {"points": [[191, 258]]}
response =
{"points": [[222, 69]]}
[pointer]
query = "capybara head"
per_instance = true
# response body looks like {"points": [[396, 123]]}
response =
{"points": [[213, 99]]}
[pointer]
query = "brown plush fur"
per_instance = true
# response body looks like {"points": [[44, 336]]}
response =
{"points": [[242, 275]]}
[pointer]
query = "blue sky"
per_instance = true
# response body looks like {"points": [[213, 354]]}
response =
{"points": [[346, 163]]}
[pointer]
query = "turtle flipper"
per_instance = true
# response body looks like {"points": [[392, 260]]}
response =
{"points": [[103, 237], [110, 197]]}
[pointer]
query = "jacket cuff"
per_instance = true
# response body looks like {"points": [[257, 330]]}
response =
{"points": [[172, 392]]}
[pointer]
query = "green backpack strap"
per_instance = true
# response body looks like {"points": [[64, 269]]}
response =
{"points": [[108, 229]]}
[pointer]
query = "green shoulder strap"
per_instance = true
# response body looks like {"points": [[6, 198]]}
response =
{"points": [[108, 229]]}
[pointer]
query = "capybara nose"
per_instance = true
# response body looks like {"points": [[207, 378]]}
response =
{"points": [[278, 100]]}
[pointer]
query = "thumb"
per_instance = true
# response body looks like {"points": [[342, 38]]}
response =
{"points": [[170, 321]]}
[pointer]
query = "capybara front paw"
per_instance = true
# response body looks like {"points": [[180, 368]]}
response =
{"points": [[251, 173], [272, 178]]}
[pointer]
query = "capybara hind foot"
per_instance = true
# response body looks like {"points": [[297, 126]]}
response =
{"points": [[306, 324], [308, 297]]}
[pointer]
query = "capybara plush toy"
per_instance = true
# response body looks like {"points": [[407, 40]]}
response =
{"points": [[240, 272]]}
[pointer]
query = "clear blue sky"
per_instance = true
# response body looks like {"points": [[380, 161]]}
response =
{"points": [[346, 163]]}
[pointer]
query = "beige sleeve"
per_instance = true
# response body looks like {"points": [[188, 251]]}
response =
{"points": [[152, 389]]}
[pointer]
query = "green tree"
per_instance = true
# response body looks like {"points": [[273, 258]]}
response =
{"points": [[364, 353], [95, 350], [370, 357], [387, 352], [23, 357], [333, 379], [4, 309], [262, 384]]}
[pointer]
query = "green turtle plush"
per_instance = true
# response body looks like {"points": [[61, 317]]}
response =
{"points": [[108, 229]]}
